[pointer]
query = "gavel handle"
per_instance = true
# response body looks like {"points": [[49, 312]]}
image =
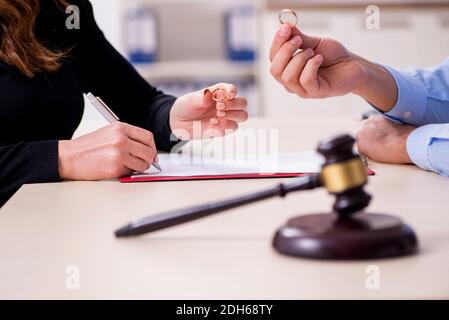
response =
{"points": [[176, 217]]}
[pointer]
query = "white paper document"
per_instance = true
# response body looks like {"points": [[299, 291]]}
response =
{"points": [[186, 165]]}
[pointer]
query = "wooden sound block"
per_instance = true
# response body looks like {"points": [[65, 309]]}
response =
{"points": [[363, 236]]}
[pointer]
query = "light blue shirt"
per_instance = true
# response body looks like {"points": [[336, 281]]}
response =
{"points": [[423, 101]]}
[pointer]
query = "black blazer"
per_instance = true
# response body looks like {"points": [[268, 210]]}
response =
{"points": [[37, 112]]}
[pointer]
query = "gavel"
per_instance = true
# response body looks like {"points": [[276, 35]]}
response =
{"points": [[341, 234]]}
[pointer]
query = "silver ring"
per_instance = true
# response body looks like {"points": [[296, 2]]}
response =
{"points": [[288, 16]]}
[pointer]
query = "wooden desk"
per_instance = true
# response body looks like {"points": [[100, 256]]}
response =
{"points": [[47, 227]]}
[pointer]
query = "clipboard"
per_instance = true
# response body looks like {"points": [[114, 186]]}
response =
{"points": [[191, 168]]}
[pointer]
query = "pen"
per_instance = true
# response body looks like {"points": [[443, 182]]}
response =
{"points": [[109, 115]]}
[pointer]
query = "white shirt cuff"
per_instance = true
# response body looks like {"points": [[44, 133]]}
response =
{"points": [[419, 141]]}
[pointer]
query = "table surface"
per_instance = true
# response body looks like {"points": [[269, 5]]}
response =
{"points": [[46, 228]]}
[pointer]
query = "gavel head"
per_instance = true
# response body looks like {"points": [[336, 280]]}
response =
{"points": [[344, 175]]}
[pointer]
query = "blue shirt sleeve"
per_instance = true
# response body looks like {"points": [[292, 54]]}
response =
{"points": [[423, 101], [423, 95]]}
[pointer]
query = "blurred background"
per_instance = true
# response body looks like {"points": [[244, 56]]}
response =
{"points": [[185, 45]]}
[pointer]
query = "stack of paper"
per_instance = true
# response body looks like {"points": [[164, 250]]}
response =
{"points": [[195, 167]]}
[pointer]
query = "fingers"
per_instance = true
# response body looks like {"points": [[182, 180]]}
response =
{"points": [[234, 110], [230, 125], [289, 66], [230, 92], [138, 143], [284, 55], [292, 72], [226, 127], [231, 89], [203, 99], [142, 152], [280, 38], [309, 76], [308, 42], [135, 164], [137, 134], [237, 116], [286, 32], [235, 104]]}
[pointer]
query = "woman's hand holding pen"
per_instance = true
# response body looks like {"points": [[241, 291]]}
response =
{"points": [[214, 118], [110, 152], [314, 67]]}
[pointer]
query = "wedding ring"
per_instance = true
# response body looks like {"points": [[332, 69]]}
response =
{"points": [[288, 16], [219, 95]]}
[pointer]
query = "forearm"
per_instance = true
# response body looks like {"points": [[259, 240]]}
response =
{"points": [[378, 86], [415, 96], [31, 162]]}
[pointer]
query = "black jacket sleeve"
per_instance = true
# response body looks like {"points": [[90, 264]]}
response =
{"points": [[107, 74], [27, 162]]}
